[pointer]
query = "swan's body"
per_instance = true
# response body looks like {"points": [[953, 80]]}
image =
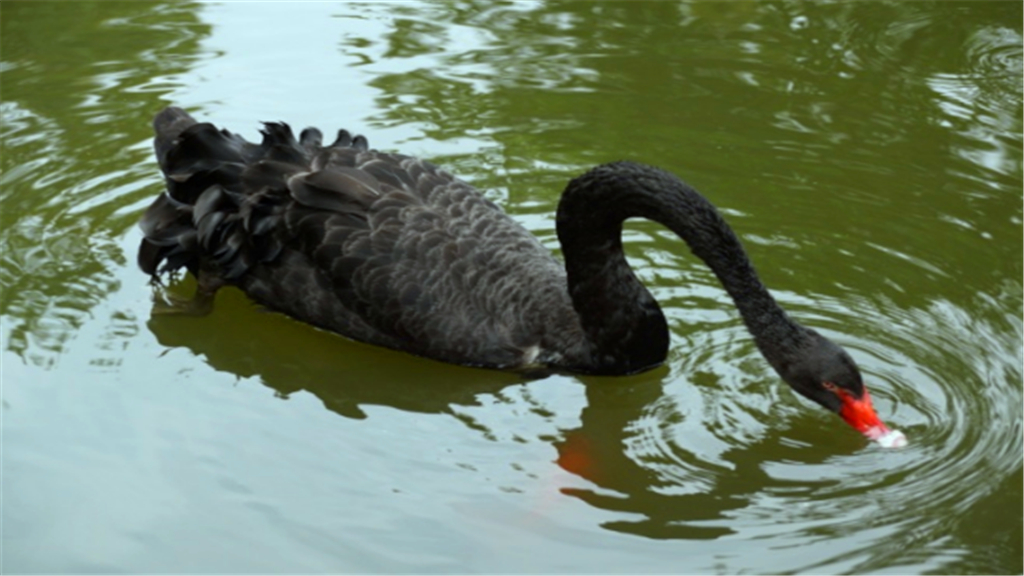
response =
{"points": [[389, 250]]}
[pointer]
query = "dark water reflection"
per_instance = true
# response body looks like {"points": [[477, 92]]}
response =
{"points": [[343, 375], [868, 154]]}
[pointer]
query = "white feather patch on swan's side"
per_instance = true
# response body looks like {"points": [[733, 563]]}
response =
{"points": [[530, 355]]}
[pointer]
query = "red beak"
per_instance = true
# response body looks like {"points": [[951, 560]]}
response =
{"points": [[859, 413]]}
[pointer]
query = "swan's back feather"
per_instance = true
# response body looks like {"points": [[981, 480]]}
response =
{"points": [[383, 248]]}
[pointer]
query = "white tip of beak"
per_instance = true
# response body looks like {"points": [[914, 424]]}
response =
{"points": [[891, 439]]}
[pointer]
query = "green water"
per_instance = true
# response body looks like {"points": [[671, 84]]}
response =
{"points": [[867, 153]]}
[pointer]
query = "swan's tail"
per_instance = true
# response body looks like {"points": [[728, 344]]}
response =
{"points": [[168, 126], [219, 195]]}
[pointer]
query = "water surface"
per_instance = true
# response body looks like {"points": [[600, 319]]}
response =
{"points": [[867, 153]]}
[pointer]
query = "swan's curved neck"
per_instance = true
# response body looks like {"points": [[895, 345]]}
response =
{"points": [[625, 326]]}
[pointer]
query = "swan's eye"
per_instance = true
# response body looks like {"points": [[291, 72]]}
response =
{"points": [[830, 387]]}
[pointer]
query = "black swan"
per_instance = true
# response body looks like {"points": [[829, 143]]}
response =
{"points": [[390, 250]]}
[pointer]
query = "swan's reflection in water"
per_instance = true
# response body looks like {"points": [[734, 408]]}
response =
{"points": [[651, 487], [345, 378], [710, 449]]}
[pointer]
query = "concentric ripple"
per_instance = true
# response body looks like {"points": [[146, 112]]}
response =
{"points": [[783, 471]]}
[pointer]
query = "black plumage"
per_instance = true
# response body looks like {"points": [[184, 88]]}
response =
{"points": [[393, 251]]}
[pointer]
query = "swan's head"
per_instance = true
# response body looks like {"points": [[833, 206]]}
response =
{"points": [[825, 373]]}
